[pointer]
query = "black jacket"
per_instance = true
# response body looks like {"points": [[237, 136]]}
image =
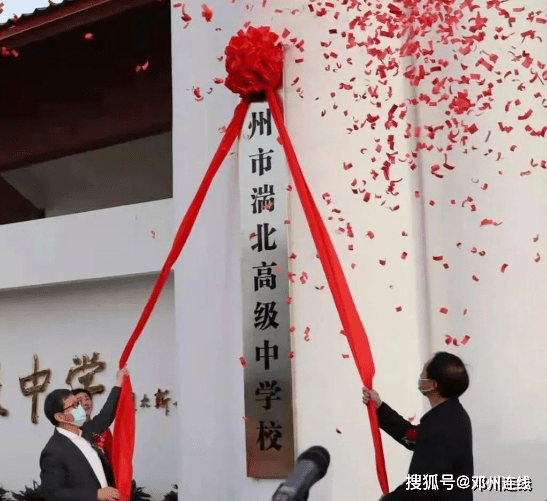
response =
{"points": [[104, 419], [442, 445], [66, 474]]}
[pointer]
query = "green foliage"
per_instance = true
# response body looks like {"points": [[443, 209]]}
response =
{"points": [[34, 494], [173, 495], [138, 494], [29, 494], [3, 494]]}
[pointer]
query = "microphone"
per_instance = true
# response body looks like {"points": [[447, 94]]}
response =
{"points": [[311, 467]]}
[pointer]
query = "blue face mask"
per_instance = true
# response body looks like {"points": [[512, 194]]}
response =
{"points": [[79, 416]]}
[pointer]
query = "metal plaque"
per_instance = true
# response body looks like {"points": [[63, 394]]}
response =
{"points": [[263, 181]]}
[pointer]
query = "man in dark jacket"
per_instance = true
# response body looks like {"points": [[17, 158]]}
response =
{"points": [[71, 468], [442, 442]]}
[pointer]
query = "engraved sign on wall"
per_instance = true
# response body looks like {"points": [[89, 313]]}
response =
{"points": [[263, 183]]}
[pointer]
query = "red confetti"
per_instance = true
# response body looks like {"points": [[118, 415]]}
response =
{"points": [[206, 12], [345, 355], [398, 309], [338, 431], [536, 238], [289, 300], [438, 258], [290, 355], [486, 222], [153, 234], [404, 255], [370, 235], [242, 362], [443, 310], [307, 334], [465, 339], [475, 278], [504, 267], [88, 36], [537, 259], [245, 418]]}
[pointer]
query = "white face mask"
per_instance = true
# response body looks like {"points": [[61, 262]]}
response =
{"points": [[419, 385], [79, 416]]}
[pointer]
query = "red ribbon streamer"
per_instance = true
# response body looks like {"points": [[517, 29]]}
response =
{"points": [[124, 429], [351, 322]]}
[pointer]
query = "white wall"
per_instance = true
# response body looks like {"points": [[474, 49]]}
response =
{"points": [[127, 173], [327, 386], [105, 243], [61, 321], [506, 315]]}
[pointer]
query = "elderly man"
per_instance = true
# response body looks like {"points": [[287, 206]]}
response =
{"points": [[442, 442]]}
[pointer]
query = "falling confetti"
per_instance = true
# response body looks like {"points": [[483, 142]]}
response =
{"points": [[207, 13]]}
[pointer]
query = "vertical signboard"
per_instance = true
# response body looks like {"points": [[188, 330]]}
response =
{"points": [[263, 181]]}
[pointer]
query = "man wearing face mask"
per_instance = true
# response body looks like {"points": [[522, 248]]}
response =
{"points": [[71, 468], [442, 442]]}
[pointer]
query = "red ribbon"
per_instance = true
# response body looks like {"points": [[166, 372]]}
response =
{"points": [[351, 322], [124, 427], [240, 58], [104, 442]]}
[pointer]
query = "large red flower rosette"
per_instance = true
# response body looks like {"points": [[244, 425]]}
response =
{"points": [[254, 62]]}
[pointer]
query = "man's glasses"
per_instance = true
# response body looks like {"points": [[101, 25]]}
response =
{"points": [[74, 405]]}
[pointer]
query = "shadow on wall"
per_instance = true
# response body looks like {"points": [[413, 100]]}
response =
{"points": [[516, 460]]}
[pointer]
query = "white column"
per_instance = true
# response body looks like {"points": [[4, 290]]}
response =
{"points": [[207, 276]]}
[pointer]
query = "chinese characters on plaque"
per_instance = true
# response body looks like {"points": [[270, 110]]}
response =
{"points": [[266, 315], [87, 368]]}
